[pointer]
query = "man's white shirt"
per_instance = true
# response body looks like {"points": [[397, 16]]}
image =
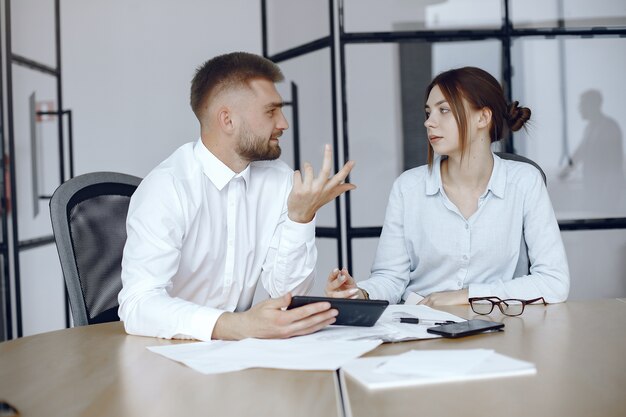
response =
{"points": [[199, 238]]}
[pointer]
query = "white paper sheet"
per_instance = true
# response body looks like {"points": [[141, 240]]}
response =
{"points": [[435, 363], [367, 371], [295, 353]]}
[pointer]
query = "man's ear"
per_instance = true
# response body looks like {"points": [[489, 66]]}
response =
{"points": [[225, 120], [484, 117]]}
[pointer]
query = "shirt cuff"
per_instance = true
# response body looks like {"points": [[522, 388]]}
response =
{"points": [[298, 233], [203, 322]]}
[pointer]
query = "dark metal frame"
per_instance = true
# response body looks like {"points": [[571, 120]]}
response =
{"points": [[316, 45], [11, 246], [506, 33]]}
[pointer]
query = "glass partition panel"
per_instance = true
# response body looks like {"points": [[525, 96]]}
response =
{"points": [[363, 253], [293, 23], [33, 31], [374, 128], [36, 156], [311, 73], [574, 88], [397, 15], [597, 263], [571, 13], [42, 289], [385, 96]]}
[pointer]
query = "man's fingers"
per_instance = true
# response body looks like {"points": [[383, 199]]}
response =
{"points": [[300, 313], [279, 302], [337, 191], [314, 328], [343, 172], [308, 173], [313, 322], [327, 163], [297, 178]]}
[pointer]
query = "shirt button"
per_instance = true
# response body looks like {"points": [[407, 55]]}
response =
{"points": [[467, 227], [460, 284], [465, 257]]}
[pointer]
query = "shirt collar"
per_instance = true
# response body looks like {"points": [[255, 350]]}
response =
{"points": [[217, 172], [497, 181], [433, 181]]}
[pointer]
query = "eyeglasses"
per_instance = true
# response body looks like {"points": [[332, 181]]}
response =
{"points": [[508, 307]]}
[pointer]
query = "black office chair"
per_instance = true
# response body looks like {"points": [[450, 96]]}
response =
{"points": [[88, 216], [516, 157]]}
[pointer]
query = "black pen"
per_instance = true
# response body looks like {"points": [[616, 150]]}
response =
{"points": [[415, 320]]}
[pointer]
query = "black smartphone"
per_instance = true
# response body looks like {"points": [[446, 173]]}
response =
{"points": [[465, 328], [351, 312]]}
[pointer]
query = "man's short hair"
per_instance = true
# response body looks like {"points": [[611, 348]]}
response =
{"points": [[233, 70]]}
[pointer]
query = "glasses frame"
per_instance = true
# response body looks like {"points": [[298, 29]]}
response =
{"points": [[497, 301]]}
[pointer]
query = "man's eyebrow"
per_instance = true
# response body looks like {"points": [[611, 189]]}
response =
{"points": [[436, 104], [275, 105]]}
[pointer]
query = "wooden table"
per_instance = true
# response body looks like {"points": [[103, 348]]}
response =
{"points": [[579, 349], [100, 371]]}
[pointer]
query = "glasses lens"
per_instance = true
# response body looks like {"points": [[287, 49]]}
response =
{"points": [[482, 306], [512, 307]]}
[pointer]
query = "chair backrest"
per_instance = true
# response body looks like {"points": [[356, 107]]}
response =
{"points": [[520, 158], [88, 216]]}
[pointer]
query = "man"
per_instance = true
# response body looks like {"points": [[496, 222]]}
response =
{"points": [[221, 213]]}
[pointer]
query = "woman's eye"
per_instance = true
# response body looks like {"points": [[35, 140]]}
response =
{"points": [[427, 115], [444, 110]]}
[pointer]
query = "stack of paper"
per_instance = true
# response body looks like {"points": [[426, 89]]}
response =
{"points": [[419, 367]]}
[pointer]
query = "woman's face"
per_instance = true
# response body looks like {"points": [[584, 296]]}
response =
{"points": [[441, 126]]}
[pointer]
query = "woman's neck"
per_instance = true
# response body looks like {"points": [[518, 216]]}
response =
{"points": [[470, 172]]}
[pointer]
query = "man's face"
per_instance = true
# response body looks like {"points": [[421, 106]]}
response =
{"points": [[262, 123]]}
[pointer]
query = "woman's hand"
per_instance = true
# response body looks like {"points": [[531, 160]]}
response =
{"points": [[341, 285], [446, 298]]}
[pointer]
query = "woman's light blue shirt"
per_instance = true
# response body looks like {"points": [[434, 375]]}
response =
{"points": [[427, 245]]}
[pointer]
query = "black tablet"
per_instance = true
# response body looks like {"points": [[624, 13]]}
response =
{"points": [[351, 312], [465, 328]]}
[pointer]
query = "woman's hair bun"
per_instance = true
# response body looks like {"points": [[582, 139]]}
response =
{"points": [[517, 116]]}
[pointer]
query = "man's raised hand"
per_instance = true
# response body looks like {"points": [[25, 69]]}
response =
{"points": [[310, 193]]}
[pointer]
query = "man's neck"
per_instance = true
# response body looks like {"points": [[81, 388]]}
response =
{"points": [[220, 148]]}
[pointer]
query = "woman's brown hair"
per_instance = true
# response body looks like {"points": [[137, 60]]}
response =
{"points": [[480, 89]]}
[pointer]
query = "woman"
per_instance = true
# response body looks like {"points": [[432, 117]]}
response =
{"points": [[468, 223]]}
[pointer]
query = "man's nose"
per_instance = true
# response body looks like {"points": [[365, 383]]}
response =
{"points": [[282, 124]]}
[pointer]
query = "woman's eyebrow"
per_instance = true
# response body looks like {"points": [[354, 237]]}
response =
{"points": [[436, 104]]}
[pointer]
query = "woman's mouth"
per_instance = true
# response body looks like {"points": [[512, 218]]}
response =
{"points": [[434, 138]]}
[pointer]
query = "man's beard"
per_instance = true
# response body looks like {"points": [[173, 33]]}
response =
{"points": [[256, 148]]}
